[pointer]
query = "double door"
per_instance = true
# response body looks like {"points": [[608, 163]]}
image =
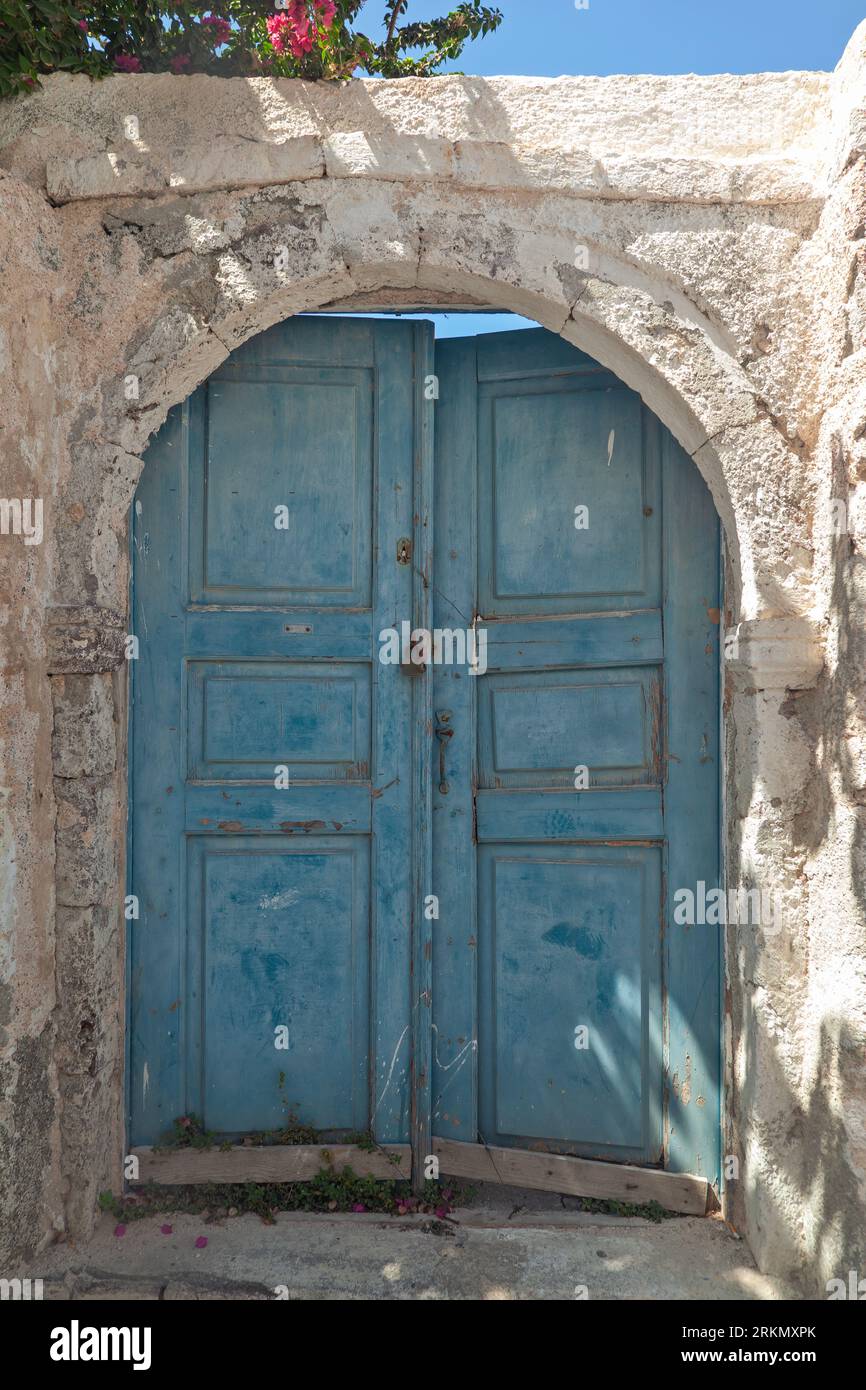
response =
{"points": [[423, 888]]}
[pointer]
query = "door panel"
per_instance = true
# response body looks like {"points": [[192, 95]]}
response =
{"points": [[583, 431], [569, 942], [529, 725], [266, 906], [327, 416], [245, 715], [279, 936]]}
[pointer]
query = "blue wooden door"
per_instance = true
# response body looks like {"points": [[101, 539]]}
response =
{"points": [[580, 784], [272, 799], [513, 976]]}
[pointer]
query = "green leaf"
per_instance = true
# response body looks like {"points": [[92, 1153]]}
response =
{"points": [[43, 34]]}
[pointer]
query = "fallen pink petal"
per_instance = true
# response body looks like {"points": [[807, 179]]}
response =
{"points": [[200, 1242], [120, 1230]]}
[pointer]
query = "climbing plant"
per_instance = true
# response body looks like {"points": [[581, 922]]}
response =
{"points": [[313, 39]]}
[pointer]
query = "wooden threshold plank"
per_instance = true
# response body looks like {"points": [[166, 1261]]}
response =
{"points": [[269, 1163], [574, 1177]]}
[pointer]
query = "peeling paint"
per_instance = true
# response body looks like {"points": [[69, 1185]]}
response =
{"points": [[279, 900]]}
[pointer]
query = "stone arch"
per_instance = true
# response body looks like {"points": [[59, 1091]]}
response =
{"points": [[281, 251], [212, 272]]}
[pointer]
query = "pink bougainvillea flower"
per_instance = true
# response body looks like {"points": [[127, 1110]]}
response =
{"points": [[274, 24], [200, 1242], [127, 62], [442, 1210], [82, 24], [279, 31], [179, 63], [293, 29], [358, 1206], [286, 36], [220, 29], [166, 1230], [120, 1230]]}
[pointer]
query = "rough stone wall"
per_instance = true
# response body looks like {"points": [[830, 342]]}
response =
{"points": [[705, 239]]}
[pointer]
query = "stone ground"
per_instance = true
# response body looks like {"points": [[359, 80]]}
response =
{"points": [[509, 1244]]}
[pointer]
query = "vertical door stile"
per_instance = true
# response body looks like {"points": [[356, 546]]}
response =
{"points": [[157, 1074], [426, 391], [455, 955], [693, 956], [391, 789]]}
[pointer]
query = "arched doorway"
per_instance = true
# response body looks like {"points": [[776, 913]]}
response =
{"points": [[425, 892]]}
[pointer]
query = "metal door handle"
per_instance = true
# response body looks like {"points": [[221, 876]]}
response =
{"points": [[443, 732]]}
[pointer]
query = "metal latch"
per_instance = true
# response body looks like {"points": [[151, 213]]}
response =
{"points": [[412, 668]]}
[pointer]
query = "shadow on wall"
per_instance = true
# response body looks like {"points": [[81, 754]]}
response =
{"points": [[807, 1192]]}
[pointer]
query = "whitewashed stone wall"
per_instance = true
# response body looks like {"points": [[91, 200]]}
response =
{"points": [[705, 238]]}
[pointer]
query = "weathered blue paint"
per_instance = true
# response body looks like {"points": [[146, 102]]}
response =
{"points": [[693, 955], [455, 954], [305, 906], [603, 655], [421, 870], [261, 906], [569, 941]]}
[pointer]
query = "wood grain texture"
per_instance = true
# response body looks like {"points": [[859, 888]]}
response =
{"points": [[270, 1163], [573, 1177], [576, 1177]]}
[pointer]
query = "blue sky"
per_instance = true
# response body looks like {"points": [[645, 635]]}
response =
{"points": [[545, 38]]}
